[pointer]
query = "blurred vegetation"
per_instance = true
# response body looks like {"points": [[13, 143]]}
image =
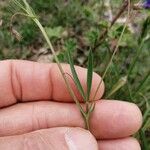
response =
{"points": [[79, 24]]}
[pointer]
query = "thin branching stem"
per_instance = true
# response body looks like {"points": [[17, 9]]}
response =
{"points": [[114, 52], [28, 12], [59, 65]]}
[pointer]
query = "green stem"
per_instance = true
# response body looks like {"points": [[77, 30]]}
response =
{"points": [[144, 142], [30, 13], [115, 50], [58, 63], [111, 59], [87, 124], [86, 115]]}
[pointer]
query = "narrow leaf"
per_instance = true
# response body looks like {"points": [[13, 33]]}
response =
{"points": [[27, 5], [145, 28], [92, 108], [75, 76], [144, 142], [142, 84], [121, 82], [29, 9], [147, 125], [89, 74]]}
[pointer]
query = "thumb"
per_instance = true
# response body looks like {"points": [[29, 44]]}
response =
{"points": [[54, 138]]}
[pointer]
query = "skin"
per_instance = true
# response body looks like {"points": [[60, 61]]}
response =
{"points": [[37, 112]]}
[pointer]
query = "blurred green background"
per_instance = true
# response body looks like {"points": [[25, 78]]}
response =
{"points": [[79, 24]]}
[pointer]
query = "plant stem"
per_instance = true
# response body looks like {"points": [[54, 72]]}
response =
{"points": [[29, 12], [58, 63], [86, 116], [115, 50], [87, 124]]}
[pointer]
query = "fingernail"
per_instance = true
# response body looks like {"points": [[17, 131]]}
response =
{"points": [[79, 139], [70, 142]]}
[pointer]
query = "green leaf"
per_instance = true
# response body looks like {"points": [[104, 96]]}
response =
{"points": [[75, 76], [71, 45], [142, 83], [147, 125], [145, 28], [89, 74], [92, 36], [144, 142], [121, 82], [55, 32]]}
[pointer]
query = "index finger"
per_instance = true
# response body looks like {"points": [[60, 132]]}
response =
{"points": [[31, 81]]}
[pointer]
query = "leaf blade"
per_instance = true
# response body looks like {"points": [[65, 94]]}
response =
{"points": [[89, 74], [75, 76], [119, 84]]}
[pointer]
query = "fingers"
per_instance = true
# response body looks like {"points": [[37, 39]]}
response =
{"points": [[117, 119], [119, 144], [64, 139], [54, 138], [31, 81], [110, 119]]}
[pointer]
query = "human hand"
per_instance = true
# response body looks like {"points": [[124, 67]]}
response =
{"points": [[37, 112]]}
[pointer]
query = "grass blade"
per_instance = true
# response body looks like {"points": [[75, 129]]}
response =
{"points": [[147, 125], [27, 6], [142, 84], [89, 75], [144, 142], [75, 76], [121, 82], [29, 9]]}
